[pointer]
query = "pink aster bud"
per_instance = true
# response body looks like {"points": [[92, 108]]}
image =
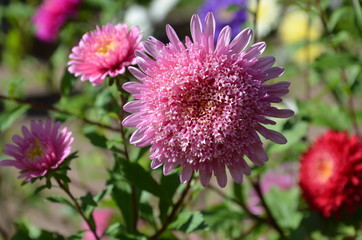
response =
{"points": [[51, 15], [106, 51], [42, 148], [201, 105]]}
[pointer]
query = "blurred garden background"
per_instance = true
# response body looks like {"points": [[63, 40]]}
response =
{"points": [[318, 43]]}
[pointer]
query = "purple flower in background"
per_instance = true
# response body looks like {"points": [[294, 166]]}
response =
{"points": [[51, 15], [224, 15], [284, 178]]}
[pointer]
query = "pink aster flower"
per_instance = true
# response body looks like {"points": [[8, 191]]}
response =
{"points": [[108, 50], [101, 218], [51, 15], [42, 148], [201, 105]]}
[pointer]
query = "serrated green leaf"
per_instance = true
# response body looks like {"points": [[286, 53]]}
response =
{"points": [[189, 222]]}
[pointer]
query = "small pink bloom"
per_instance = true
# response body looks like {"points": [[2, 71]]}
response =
{"points": [[107, 50], [202, 105], [42, 148], [51, 15], [284, 178], [101, 219]]}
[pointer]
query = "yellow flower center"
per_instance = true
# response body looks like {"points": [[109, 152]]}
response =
{"points": [[106, 46], [324, 170], [36, 150]]}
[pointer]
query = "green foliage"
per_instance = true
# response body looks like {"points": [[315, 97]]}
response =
{"points": [[189, 222]]}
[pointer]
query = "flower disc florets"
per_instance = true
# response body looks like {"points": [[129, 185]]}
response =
{"points": [[42, 148], [200, 105], [106, 51]]}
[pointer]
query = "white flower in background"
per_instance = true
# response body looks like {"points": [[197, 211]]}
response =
{"points": [[160, 8], [138, 15], [267, 15]]}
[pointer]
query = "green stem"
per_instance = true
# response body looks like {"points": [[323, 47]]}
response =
{"points": [[79, 209], [175, 210], [123, 134], [54, 109], [238, 202], [272, 221]]}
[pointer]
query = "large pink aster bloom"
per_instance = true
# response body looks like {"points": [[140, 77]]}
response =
{"points": [[108, 50], [201, 106], [51, 15], [42, 148]]}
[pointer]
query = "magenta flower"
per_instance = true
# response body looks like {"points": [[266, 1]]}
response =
{"points": [[51, 15], [200, 105], [101, 218], [108, 50], [42, 148]]}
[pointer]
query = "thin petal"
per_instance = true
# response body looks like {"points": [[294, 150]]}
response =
{"points": [[220, 174], [210, 25], [186, 174], [271, 135], [241, 41], [223, 39], [196, 28], [133, 106], [205, 175], [137, 73]]}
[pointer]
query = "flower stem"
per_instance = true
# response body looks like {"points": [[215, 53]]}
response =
{"points": [[272, 221], [54, 109], [123, 134], [173, 213], [238, 202], [79, 209]]}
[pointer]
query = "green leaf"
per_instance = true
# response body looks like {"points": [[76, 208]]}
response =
{"points": [[284, 206], [138, 176], [221, 218], [62, 200], [97, 139], [87, 201], [169, 183], [121, 194], [336, 60], [331, 116], [189, 222], [8, 117], [67, 83]]}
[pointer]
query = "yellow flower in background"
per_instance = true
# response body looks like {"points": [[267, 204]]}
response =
{"points": [[307, 53], [298, 26], [267, 15]]}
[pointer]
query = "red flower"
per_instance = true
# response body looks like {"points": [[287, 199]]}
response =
{"points": [[331, 173]]}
